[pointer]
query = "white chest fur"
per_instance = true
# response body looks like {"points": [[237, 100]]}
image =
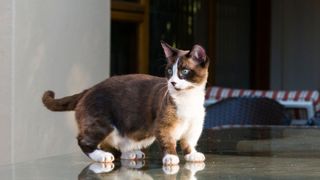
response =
{"points": [[190, 111]]}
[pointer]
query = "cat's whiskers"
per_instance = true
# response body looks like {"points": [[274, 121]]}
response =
{"points": [[165, 93], [165, 96]]}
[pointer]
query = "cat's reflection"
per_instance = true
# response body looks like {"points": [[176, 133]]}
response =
{"points": [[128, 169], [137, 170]]}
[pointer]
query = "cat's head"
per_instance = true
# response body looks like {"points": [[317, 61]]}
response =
{"points": [[186, 69]]}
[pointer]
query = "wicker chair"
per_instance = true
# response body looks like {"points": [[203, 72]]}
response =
{"points": [[302, 107], [244, 112]]}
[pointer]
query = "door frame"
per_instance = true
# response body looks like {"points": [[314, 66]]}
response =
{"points": [[135, 13]]}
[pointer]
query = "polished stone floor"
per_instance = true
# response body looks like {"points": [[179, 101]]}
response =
{"points": [[241, 153], [77, 166]]}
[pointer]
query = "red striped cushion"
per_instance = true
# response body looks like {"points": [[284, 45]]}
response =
{"points": [[219, 93]]}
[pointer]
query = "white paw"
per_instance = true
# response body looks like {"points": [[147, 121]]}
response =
{"points": [[133, 155], [195, 166], [195, 157], [139, 154], [170, 159], [101, 156], [133, 164], [101, 167], [171, 169]]}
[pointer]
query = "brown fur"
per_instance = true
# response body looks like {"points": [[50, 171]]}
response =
{"points": [[64, 104], [184, 146]]}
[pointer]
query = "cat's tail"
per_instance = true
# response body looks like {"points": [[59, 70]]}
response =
{"points": [[67, 103]]}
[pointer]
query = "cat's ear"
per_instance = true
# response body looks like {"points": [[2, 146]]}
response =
{"points": [[198, 54], [168, 50]]}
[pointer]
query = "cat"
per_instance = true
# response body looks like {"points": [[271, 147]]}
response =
{"points": [[130, 112]]}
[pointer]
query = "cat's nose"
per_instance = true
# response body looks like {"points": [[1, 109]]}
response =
{"points": [[173, 83]]}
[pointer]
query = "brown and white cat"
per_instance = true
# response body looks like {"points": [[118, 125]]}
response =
{"points": [[129, 112]]}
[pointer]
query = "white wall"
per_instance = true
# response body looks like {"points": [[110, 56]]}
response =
{"points": [[295, 44], [5, 80], [44, 44]]}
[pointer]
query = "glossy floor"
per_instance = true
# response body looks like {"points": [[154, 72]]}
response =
{"points": [[77, 166]]}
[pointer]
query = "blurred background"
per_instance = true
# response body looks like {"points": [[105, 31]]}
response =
{"points": [[68, 46], [258, 44]]}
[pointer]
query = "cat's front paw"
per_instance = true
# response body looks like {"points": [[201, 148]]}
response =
{"points": [[172, 169], [130, 155], [170, 159], [195, 166], [195, 157], [101, 167], [101, 156]]}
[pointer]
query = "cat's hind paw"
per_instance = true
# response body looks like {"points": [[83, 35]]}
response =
{"points": [[170, 159], [132, 164], [101, 156], [101, 167], [195, 157], [133, 155]]}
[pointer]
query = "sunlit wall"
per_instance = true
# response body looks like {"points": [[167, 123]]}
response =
{"points": [[44, 44]]}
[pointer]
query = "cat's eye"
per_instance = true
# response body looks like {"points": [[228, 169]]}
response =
{"points": [[185, 72], [169, 71]]}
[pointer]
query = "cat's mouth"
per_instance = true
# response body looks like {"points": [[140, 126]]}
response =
{"points": [[181, 89]]}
